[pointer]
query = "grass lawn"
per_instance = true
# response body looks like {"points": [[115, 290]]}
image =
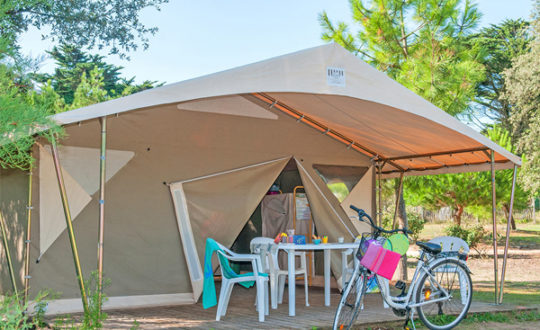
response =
{"points": [[515, 293], [432, 230], [513, 320], [526, 236], [529, 227]]}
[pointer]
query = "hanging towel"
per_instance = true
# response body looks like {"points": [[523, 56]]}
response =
{"points": [[209, 287]]}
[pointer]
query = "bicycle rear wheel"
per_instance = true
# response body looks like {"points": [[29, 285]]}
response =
{"points": [[453, 277], [351, 298]]}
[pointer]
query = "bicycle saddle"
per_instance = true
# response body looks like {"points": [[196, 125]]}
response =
{"points": [[430, 247]]}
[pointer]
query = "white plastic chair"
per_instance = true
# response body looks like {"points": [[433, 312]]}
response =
{"points": [[229, 279], [268, 251], [450, 243], [454, 244]]}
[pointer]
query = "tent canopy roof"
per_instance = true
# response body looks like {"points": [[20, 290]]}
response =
{"points": [[338, 94]]}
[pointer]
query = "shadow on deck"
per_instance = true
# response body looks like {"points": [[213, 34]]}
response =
{"points": [[241, 313]]}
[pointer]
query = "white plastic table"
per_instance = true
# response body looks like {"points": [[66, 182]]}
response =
{"points": [[290, 248]]}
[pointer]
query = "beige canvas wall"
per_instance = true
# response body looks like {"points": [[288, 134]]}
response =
{"points": [[13, 202], [143, 252]]}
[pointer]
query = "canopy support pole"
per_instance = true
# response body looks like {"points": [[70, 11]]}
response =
{"points": [[28, 236], [69, 224], [394, 225], [494, 218], [379, 212], [8, 254], [503, 272], [102, 164]]}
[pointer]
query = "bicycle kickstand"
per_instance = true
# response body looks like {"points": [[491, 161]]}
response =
{"points": [[410, 317]]}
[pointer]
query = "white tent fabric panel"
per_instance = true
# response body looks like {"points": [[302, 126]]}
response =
{"points": [[361, 197], [80, 168], [195, 268], [328, 216], [52, 221], [228, 105], [218, 206], [83, 164], [307, 73]]}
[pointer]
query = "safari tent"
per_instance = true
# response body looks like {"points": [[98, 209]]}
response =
{"points": [[194, 159]]}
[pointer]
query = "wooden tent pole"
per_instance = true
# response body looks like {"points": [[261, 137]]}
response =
{"points": [[101, 224], [394, 224], [503, 272], [28, 236], [69, 225], [494, 218], [8, 254]]}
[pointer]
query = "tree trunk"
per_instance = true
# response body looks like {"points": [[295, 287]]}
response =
{"points": [[533, 210], [458, 214], [402, 218], [506, 209]]}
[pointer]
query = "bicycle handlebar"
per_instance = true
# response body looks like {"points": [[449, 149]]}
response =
{"points": [[362, 214]]}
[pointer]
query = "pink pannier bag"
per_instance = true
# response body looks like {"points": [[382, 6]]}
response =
{"points": [[381, 261]]}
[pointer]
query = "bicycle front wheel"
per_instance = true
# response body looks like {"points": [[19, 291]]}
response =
{"points": [[446, 294], [351, 298]]}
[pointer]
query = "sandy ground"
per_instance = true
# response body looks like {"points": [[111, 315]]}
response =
{"points": [[522, 265]]}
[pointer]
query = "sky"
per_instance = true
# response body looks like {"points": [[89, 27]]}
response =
{"points": [[198, 37]]}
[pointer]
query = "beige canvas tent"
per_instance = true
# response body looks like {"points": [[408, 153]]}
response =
{"points": [[194, 159]]}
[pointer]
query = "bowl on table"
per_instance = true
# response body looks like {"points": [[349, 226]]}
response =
{"points": [[317, 241]]}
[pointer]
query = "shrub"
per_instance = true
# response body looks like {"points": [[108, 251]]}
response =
{"points": [[416, 225], [472, 235], [93, 318], [415, 222], [13, 314]]}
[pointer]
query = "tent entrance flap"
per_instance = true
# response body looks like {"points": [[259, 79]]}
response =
{"points": [[218, 206]]}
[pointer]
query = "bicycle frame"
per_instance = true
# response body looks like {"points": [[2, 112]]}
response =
{"points": [[405, 301]]}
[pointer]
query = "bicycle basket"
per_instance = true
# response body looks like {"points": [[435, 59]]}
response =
{"points": [[367, 238]]}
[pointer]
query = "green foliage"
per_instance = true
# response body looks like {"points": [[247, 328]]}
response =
{"points": [[471, 191], [13, 314], [65, 322], [72, 63], [522, 89], [500, 44], [136, 325], [339, 189], [90, 90], [420, 43], [472, 235], [94, 317], [22, 115], [416, 225], [112, 24]]}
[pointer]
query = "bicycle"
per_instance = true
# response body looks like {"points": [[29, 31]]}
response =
{"points": [[440, 290]]}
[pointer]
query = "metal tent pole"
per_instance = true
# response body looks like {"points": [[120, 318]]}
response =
{"points": [[494, 218], [503, 272], [8, 254], [102, 164], [69, 225], [379, 212], [394, 224], [28, 236]]}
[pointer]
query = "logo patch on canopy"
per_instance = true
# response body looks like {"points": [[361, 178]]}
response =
{"points": [[335, 76]]}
